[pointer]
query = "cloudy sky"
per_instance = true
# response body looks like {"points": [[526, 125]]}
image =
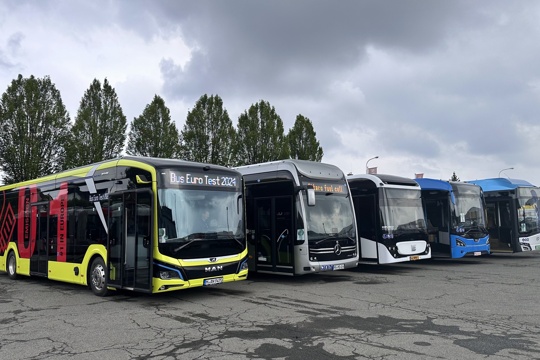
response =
{"points": [[431, 87]]}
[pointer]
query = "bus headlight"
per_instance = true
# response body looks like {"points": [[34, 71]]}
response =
{"points": [[243, 266], [459, 243], [168, 274]]}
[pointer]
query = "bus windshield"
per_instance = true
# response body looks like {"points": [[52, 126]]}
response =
{"points": [[528, 210], [200, 223], [469, 208], [331, 217], [401, 211]]}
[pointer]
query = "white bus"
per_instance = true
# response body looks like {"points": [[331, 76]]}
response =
{"points": [[300, 218], [390, 219]]}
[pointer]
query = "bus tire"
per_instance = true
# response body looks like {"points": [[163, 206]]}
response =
{"points": [[12, 265], [97, 277]]}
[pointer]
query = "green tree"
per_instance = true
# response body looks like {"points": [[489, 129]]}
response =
{"points": [[154, 133], [208, 135], [99, 131], [34, 127], [303, 141], [261, 136], [454, 177]]}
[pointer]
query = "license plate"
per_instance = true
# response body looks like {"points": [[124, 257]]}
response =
{"points": [[332, 267], [415, 257], [477, 253], [214, 281]]}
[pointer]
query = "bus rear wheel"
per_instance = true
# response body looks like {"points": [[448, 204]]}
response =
{"points": [[12, 266], [98, 277]]}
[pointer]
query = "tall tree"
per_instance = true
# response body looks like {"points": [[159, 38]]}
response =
{"points": [[154, 133], [454, 177], [303, 141], [261, 136], [34, 128], [99, 131], [208, 135]]}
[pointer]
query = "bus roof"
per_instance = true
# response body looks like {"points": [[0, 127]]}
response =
{"points": [[311, 169], [384, 179], [434, 184], [497, 184], [83, 171]]}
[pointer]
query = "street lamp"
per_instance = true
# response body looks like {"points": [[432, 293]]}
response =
{"points": [[504, 170], [376, 157]]}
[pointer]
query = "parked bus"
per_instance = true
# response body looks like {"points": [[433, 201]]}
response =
{"points": [[129, 223], [512, 214], [389, 218], [455, 218], [300, 218]]}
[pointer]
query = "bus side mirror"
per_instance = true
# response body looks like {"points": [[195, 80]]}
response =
{"points": [[240, 197], [310, 192], [162, 235], [141, 179]]}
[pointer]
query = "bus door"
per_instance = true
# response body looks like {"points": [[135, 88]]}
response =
{"points": [[274, 234], [438, 221], [366, 210], [499, 225], [130, 240], [39, 259]]}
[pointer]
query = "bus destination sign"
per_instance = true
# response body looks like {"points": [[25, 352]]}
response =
{"points": [[190, 178], [335, 188]]}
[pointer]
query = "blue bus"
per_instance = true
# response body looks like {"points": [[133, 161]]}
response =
{"points": [[455, 218], [390, 219], [512, 209]]}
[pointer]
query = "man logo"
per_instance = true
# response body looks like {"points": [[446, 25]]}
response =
{"points": [[212, 259], [213, 268]]}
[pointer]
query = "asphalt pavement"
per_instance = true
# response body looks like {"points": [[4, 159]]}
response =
{"points": [[473, 308]]}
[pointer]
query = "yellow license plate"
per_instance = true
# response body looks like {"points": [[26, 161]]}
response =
{"points": [[415, 257]]}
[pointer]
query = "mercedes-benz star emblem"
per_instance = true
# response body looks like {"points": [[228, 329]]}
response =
{"points": [[337, 249]]}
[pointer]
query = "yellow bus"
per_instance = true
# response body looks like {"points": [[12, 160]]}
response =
{"points": [[144, 224]]}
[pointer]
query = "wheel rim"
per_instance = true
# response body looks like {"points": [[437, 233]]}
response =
{"points": [[98, 277], [12, 265]]}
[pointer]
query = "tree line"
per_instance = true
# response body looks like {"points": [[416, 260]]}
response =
{"points": [[37, 137]]}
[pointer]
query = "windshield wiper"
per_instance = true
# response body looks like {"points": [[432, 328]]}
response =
{"points": [[230, 237], [191, 241], [197, 237], [326, 238]]}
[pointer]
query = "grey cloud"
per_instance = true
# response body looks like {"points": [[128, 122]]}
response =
{"points": [[14, 42], [464, 69], [263, 43]]}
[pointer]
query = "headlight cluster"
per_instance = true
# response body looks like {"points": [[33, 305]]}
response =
{"points": [[243, 266], [168, 274], [393, 251], [459, 243]]}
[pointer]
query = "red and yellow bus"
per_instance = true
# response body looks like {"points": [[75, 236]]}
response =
{"points": [[137, 223]]}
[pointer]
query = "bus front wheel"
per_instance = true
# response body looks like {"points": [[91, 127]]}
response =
{"points": [[98, 277], [12, 266]]}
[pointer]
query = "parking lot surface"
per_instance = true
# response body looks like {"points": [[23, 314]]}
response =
{"points": [[472, 308]]}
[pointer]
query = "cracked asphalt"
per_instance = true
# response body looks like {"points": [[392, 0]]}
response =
{"points": [[473, 308]]}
